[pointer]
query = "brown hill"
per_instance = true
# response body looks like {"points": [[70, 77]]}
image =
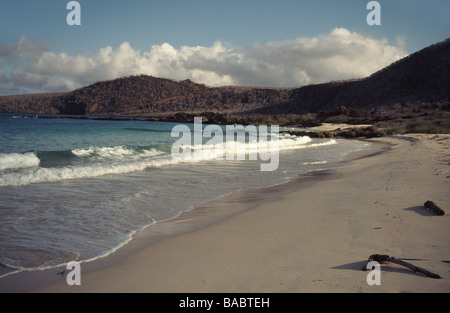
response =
{"points": [[125, 96], [419, 80]]}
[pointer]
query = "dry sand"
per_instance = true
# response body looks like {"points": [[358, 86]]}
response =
{"points": [[311, 239]]}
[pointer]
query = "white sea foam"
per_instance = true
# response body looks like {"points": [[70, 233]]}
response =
{"points": [[56, 174], [314, 163], [123, 160], [18, 160], [117, 152], [283, 143]]}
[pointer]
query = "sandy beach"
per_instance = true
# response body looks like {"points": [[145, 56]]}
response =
{"points": [[311, 235]]}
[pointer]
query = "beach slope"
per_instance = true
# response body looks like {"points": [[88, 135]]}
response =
{"points": [[314, 239]]}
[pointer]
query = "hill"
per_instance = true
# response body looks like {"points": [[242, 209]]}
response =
{"points": [[145, 96], [415, 83]]}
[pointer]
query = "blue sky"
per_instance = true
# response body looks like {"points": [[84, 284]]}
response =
{"points": [[214, 42]]}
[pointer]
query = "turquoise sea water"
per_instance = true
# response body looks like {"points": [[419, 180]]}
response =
{"points": [[78, 189]]}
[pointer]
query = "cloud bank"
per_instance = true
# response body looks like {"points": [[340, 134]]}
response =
{"points": [[341, 54]]}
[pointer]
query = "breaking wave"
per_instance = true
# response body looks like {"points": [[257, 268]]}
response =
{"points": [[17, 160], [53, 166]]}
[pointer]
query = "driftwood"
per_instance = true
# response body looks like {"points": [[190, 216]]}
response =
{"points": [[380, 258], [433, 207]]}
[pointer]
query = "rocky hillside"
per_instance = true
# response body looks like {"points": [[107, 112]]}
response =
{"points": [[145, 95], [417, 81], [414, 82], [32, 103]]}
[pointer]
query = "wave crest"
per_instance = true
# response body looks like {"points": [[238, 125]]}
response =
{"points": [[98, 161], [18, 160]]}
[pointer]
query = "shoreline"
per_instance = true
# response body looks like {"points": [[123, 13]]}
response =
{"points": [[191, 220], [98, 275], [199, 217]]}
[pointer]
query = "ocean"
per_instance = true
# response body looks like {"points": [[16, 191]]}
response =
{"points": [[78, 189]]}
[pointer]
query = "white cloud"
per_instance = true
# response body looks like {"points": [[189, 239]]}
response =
{"points": [[341, 54]]}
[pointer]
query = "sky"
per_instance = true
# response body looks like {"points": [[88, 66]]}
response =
{"points": [[282, 43]]}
